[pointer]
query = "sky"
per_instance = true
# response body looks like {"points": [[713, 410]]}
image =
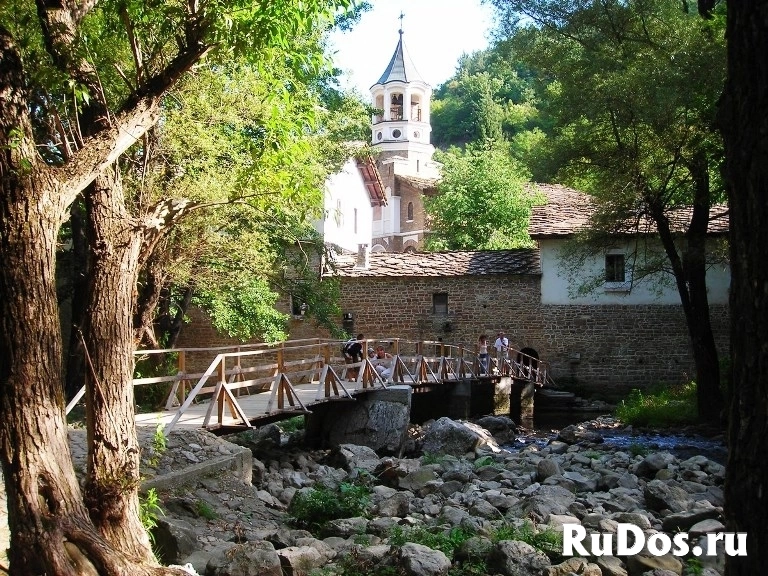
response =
{"points": [[435, 33]]}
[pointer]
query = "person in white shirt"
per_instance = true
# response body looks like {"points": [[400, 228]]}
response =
{"points": [[502, 351], [383, 362]]}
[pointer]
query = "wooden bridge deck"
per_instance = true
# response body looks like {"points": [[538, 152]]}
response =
{"points": [[251, 384]]}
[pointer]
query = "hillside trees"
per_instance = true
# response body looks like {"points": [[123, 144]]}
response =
{"points": [[491, 96], [64, 121], [632, 91]]}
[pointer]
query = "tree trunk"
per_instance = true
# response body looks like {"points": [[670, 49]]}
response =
{"points": [[50, 529], [690, 279], [111, 489], [744, 123]]}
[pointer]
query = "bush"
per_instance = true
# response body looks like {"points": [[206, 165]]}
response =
{"points": [[310, 509], [671, 406], [445, 541]]}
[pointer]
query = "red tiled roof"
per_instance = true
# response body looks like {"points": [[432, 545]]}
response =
{"points": [[372, 181], [567, 211], [415, 264]]}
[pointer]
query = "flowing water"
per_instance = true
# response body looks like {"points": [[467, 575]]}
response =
{"points": [[546, 425]]}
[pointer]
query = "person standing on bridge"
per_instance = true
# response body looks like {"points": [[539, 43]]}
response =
{"points": [[482, 355], [502, 352], [353, 354]]}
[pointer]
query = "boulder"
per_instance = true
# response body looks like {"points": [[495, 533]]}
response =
{"points": [[515, 558], [418, 560], [446, 436], [249, 559]]}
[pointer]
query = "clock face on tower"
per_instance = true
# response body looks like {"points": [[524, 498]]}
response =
{"points": [[379, 136], [396, 133], [417, 134]]}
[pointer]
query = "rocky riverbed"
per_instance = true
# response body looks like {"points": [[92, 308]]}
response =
{"points": [[454, 479]]}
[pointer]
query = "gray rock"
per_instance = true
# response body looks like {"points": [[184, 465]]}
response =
{"points": [[418, 560], [351, 457], [174, 539], [515, 558], [660, 496], [446, 436], [611, 566], [300, 560], [417, 480], [249, 559], [345, 527], [682, 521], [547, 467], [398, 505], [654, 462], [638, 565]]}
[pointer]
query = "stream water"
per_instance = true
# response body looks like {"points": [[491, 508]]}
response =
{"points": [[546, 426]]}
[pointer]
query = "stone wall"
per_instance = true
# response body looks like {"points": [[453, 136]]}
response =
{"points": [[605, 348], [608, 348]]}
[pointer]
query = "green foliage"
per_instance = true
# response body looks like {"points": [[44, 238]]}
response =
{"points": [[245, 310], [159, 445], [482, 202], [669, 406], [545, 540], [204, 510], [693, 567], [638, 449], [149, 511], [485, 461], [293, 424], [432, 458], [312, 508], [445, 541]]}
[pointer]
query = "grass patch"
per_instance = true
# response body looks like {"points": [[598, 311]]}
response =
{"points": [[670, 406], [312, 508], [445, 541], [292, 424]]}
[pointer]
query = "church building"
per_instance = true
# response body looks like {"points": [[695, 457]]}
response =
{"points": [[400, 134]]}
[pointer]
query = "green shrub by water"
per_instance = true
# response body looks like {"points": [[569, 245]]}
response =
{"points": [[670, 406]]}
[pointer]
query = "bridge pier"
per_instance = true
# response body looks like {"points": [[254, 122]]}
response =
{"points": [[521, 401], [378, 419]]}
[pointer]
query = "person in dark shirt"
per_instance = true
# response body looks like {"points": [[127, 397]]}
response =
{"points": [[353, 353]]}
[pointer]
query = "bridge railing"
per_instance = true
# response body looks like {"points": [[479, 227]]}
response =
{"points": [[276, 368]]}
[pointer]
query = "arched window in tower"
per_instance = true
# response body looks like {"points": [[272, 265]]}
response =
{"points": [[379, 105], [410, 212], [415, 107], [396, 109]]}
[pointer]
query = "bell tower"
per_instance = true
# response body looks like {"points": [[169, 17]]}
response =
{"points": [[401, 125]]}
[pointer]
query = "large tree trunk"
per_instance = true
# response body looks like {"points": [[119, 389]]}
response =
{"points": [[111, 489], [744, 123], [50, 529]]}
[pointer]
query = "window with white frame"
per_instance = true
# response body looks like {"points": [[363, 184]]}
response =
{"points": [[616, 273]]}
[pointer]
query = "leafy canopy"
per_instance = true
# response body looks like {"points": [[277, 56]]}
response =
{"points": [[482, 202]]}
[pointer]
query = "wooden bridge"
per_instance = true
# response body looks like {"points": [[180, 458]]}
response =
{"points": [[251, 385]]}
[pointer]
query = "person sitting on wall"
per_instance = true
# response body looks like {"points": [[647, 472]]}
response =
{"points": [[383, 363], [353, 353]]}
